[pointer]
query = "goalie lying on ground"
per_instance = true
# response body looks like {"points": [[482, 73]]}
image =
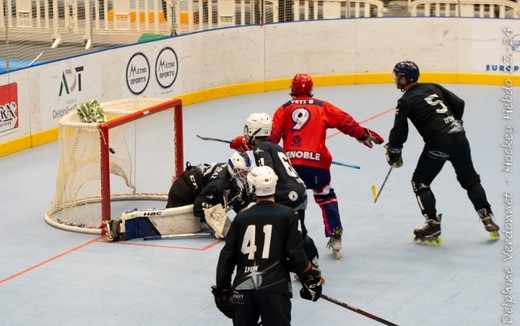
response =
{"points": [[201, 195]]}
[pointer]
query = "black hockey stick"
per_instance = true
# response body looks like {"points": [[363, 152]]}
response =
{"points": [[357, 310], [215, 139], [229, 142], [376, 193], [195, 235]]}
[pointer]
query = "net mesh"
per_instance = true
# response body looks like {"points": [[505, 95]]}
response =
{"points": [[141, 163]]}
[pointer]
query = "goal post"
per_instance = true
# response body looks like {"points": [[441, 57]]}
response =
{"points": [[133, 156]]}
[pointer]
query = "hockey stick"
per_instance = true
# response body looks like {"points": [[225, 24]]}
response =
{"points": [[215, 139], [180, 236], [346, 165], [357, 310], [375, 193], [229, 142]]}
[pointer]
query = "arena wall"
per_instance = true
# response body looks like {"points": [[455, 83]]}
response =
{"points": [[225, 62]]}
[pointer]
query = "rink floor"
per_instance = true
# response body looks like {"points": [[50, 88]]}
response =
{"points": [[54, 277]]}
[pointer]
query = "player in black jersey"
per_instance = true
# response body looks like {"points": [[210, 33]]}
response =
{"points": [[436, 113], [209, 184], [265, 245], [290, 190]]}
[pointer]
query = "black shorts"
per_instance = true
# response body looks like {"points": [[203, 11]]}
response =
{"points": [[273, 309]]}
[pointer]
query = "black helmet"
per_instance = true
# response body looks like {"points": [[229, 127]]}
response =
{"points": [[408, 69]]}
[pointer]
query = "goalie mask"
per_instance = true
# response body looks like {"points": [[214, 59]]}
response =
{"points": [[261, 181], [238, 166], [257, 125]]}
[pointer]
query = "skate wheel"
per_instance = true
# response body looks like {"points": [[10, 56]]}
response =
{"points": [[436, 241], [429, 241], [494, 235], [336, 254]]}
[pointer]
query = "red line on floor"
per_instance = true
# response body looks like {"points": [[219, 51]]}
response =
{"points": [[100, 239], [366, 120], [148, 244], [49, 260]]}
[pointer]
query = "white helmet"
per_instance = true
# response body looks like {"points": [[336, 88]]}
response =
{"points": [[261, 181], [238, 166], [258, 125]]}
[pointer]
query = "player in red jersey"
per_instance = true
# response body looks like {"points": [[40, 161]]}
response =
{"points": [[302, 124]]}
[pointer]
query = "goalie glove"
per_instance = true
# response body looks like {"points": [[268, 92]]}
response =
{"points": [[240, 144], [370, 138], [393, 156], [311, 284], [218, 220], [223, 300]]}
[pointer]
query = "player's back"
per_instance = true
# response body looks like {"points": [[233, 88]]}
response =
{"points": [[304, 125], [267, 236], [290, 189], [429, 109]]}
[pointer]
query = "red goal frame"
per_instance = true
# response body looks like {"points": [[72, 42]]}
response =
{"points": [[104, 140]]}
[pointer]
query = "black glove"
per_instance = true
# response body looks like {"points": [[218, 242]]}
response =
{"points": [[393, 156], [311, 284], [223, 300]]}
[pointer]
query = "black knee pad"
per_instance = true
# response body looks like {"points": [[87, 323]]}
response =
{"points": [[468, 182], [419, 188], [425, 199]]}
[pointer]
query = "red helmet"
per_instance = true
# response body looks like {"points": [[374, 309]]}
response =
{"points": [[301, 85]]}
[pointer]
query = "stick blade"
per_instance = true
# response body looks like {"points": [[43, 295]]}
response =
{"points": [[374, 193], [195, 235]]}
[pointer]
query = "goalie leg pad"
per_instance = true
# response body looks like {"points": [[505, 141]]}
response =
{"points": [[139, 227], [153, 222], [218, 220]]}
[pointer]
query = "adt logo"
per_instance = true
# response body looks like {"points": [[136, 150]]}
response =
{"points": [[70, 81]]}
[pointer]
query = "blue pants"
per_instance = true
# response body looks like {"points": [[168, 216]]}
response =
{"points": [[318, 180]]}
